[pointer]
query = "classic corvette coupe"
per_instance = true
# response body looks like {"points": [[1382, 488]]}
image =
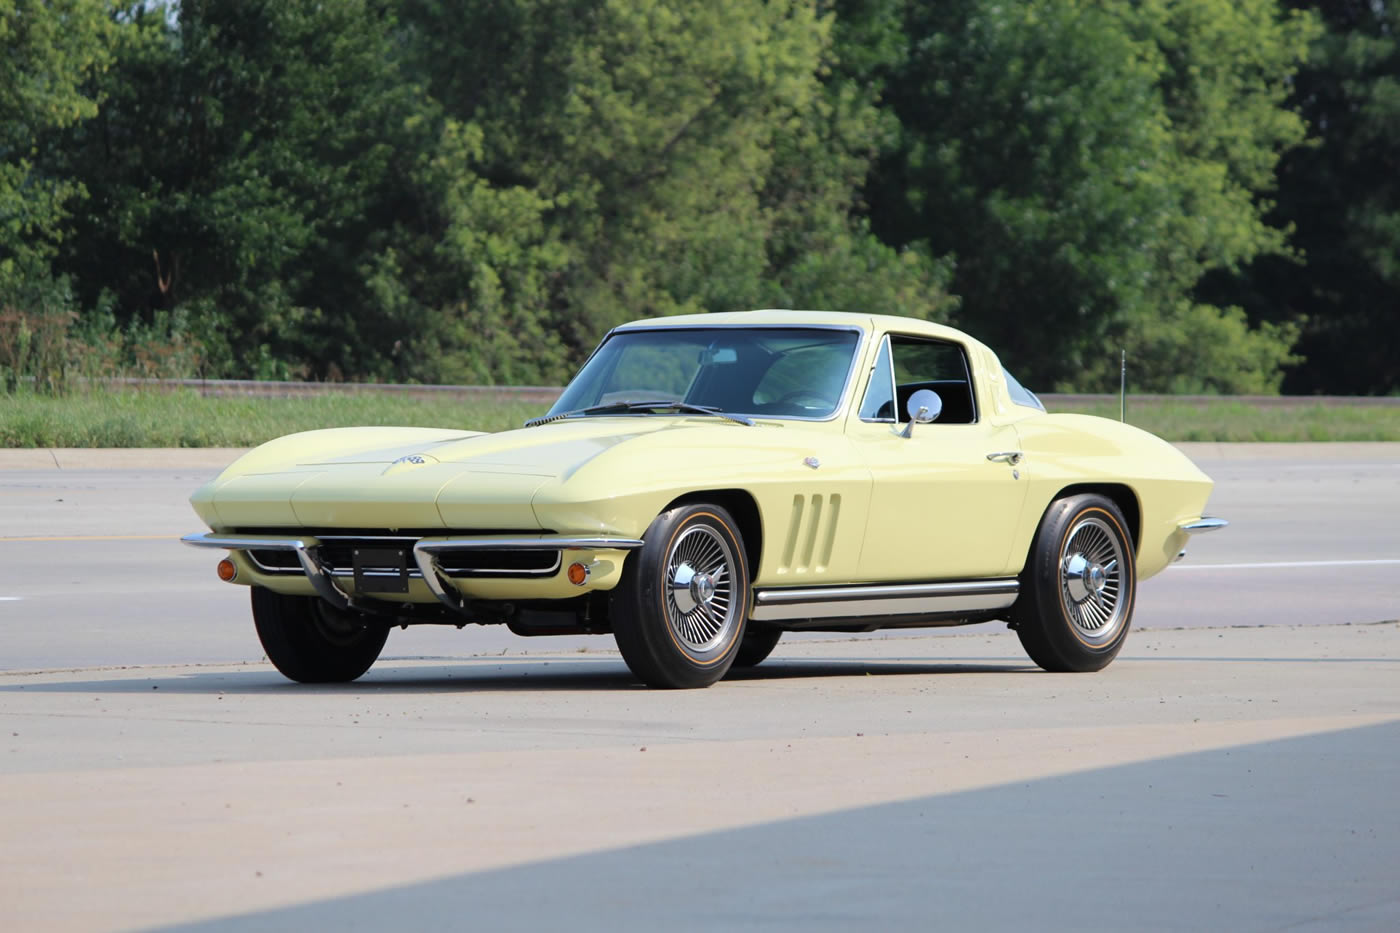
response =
{"points": [[706, 483]]}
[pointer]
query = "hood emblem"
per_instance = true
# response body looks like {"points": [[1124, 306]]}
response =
{"points": [[409, 461], [812, 462]]}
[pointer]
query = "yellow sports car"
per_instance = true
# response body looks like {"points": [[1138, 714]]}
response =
{"points": [[706, 483]]}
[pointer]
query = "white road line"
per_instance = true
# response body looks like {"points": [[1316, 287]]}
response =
{"points": [[1387, 562]]}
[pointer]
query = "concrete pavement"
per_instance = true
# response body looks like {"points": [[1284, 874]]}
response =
{"points": [[1238, 779]]}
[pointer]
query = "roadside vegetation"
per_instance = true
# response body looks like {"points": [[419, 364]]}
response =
{"points": [[473, 192], [187, 419], [1231, 420]]}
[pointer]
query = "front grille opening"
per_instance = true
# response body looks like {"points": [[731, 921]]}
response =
{"points": [[276, 560], [338, 557], [486, 562]]}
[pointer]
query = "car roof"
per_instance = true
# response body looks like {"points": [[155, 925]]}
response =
{"points": [[782, 317]]}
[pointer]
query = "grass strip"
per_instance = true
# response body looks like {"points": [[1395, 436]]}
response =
{"points": [[187, 419], [1227, 420]]}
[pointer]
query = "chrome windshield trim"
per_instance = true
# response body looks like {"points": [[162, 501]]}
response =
{"points": [[843, 400], [832, 602], [1202, 525]]}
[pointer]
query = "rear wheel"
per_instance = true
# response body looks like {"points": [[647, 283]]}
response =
{"points": [[312, 642], [1078, 588], [678, 612]]}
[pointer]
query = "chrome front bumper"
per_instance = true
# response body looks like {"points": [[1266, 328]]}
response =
{"points": [[307, 549]]}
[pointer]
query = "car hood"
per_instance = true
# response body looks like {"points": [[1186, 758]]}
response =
{"points": [[422, 478]]}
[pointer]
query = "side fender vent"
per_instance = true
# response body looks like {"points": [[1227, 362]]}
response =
{"points": [[811, 534]]}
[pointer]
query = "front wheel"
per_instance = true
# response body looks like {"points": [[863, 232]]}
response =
{"points": [[312, 642], [1078, 587], [678, 613], [757, 644]]}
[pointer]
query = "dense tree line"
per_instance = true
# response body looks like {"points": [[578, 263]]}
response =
{"points": [[475, 190]]}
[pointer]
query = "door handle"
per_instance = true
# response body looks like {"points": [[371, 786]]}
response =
{"points": [[1012, 457]]}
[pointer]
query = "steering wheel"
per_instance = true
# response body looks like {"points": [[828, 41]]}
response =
{"points": [[801, 398]]}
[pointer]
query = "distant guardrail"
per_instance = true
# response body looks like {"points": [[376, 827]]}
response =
{"points": [[545, 395], [267, 389]]}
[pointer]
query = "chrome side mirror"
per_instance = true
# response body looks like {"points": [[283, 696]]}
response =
{"points": [[924, 407]]}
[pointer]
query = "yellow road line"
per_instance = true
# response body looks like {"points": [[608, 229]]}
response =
{"points": [[4, 540]]}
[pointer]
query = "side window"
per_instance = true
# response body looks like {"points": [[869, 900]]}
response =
{"points": [[879, 395], [936, 365], [1020, 394]]}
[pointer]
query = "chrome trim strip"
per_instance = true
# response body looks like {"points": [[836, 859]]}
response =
{"points": [[437, 581], [832, 602], [843, 400], [321, 581], [532, 543], [306, 549], [1202, 525], [262, 542]]}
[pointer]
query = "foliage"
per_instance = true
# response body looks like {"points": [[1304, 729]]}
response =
{"points": [[47, 48], [642, 158], [474, 192], [47, 347], [1341, 195], [244, 158], [188, 419], [1086, 162], [1196, 349]]}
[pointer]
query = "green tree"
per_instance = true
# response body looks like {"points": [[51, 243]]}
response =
{"points": [[246, 162], [1341, 195], [643, 158], [48, 48], [1085, 163]]}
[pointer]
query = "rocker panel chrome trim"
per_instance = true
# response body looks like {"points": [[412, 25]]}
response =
{"points": [[836, 602]]}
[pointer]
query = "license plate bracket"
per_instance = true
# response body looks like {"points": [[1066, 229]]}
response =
{"points": [[381, 569]]}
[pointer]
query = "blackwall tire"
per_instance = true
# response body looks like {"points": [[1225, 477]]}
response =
{"points": [[678, 613], [313, 643], [1078, 587], [757, 644]]}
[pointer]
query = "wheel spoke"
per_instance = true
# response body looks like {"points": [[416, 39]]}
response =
{"points": [[700, 571], [1091, 578]]}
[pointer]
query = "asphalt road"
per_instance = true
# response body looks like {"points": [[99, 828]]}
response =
{"points": [[91, 573], [1213, 777]]}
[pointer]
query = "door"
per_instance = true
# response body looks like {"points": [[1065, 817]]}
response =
{"points": [[940, 509]]}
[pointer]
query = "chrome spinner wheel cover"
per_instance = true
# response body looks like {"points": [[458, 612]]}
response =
{"points": [[700, 607], [1091, 581]]}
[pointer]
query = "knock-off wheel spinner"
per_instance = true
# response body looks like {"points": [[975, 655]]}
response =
{"points": [[1091, 580], [699, 589]]}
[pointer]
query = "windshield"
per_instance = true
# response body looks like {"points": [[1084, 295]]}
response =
{"points": [[787, 372]]}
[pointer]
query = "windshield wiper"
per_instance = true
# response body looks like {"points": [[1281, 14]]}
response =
{"points": [[621, 407]]}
